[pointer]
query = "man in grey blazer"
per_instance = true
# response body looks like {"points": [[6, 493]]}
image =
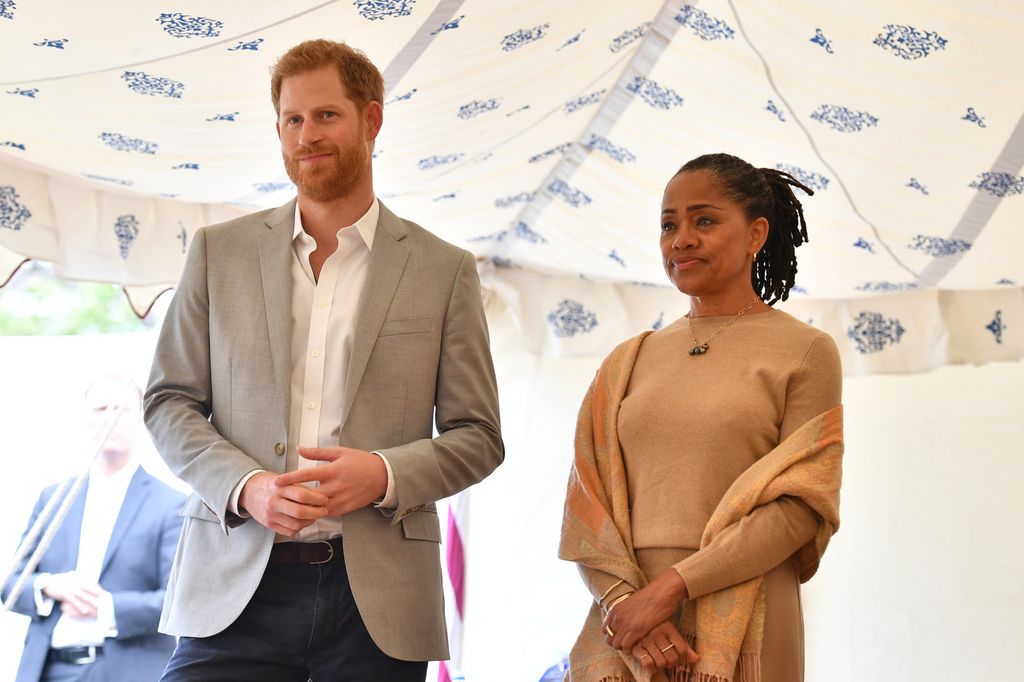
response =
{"points": [[305, 359]]}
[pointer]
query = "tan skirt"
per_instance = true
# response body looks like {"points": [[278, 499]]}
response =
{"points": [[782, 655]]}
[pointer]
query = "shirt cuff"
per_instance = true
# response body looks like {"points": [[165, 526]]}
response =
{"points": [[390, 499], [44, 605], [106, 619], [236, 492]]}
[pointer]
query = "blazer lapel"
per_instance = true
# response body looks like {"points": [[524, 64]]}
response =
{"points": [[70, 531], [275, 272], [387, 263], [130, 508]]}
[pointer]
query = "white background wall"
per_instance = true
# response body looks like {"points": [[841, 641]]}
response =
{"points": [[925, 580]]}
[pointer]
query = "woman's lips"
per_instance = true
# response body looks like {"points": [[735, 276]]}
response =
{"points": [[686, 263]]}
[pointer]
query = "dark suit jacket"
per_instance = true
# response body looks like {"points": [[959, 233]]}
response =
{"points": [[135, 570]]}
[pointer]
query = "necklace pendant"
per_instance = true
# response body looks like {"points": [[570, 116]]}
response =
{"points": [[699, 350]]}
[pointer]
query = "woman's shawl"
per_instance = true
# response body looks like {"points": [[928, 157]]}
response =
{"points": [[596, 531]]}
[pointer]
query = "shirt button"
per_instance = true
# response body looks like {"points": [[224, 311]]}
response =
{"points": [[311, 404], [278, 448], [316, 354]]}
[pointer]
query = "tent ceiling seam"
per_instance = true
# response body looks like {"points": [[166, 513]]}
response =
{"points": [[814, 146]]}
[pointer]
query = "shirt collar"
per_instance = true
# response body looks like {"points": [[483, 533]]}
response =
{"points": [[366, 226], [121, 478]]}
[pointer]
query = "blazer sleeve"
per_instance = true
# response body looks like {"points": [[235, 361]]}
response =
{"points": [[137, 612], [178, 401], [26, 604], [469, 445]]}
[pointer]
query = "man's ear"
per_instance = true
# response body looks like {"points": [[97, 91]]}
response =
{"points": [[373, 116]]}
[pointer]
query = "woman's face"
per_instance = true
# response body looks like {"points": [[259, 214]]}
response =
{"points": [[706, 239]]}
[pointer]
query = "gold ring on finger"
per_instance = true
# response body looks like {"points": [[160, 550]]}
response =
{"points": [[643, 656], [611, 633], [670, 646]]}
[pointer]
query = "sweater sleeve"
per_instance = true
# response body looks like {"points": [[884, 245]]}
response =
{"points": [[771, 533]]}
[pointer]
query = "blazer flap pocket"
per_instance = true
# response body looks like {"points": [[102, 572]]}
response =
{"points": [[407, 325], [422, 525], [197, 509]]}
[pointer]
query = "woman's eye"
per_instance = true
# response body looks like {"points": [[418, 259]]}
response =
{"points": [[665, 227], [704, 221]]}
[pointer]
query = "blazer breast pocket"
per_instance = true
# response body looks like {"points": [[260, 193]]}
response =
{"points": [[406, 325]]}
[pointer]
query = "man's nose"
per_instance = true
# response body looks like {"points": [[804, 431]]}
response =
{"points": [[310, 133]]}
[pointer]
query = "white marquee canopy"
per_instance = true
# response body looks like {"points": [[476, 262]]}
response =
{"points": [[540, 136]]}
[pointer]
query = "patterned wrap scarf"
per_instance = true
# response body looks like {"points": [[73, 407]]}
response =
{"points": [[726, 627]]}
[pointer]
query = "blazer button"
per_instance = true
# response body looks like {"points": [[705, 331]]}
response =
{"points": [[278, 448]]}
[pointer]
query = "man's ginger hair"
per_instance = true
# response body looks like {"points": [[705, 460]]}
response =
{"points": [[360, 77]]}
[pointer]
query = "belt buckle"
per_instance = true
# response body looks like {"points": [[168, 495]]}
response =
{"points": [[330, 553], [90, 657]]}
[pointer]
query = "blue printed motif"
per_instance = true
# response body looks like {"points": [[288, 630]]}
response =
{"points": [[524, 36], [15, 145], [620, 154], [862, 243], [449, 25], [629, 37], [113, 181], [183, 237], [12, 213], [224, 117], [186, 166], [522, 108], [406, 96], [660, 322], [560, 149], [502, 262], [372, 10], [7, 8], [872, 332], [128, 144], [775, 110], [973, 117], [247, 45], [908, 42], [267, 187], [32, 92], [886, 287], [58, 43], [939, 246], [996, 326], [145, 84], [496, 237], [614, 255], [570, 195], [571, 318], [181, 25], [577, 103], [653, 94], [434, 161], [513, 199], [477, 107], [820, 39], [999, 184], [1005, 281], [524, 232], [573, 40], [842, 119], [809, 178], [914, 184], [797, 289], [703, 25], [127, 230]]}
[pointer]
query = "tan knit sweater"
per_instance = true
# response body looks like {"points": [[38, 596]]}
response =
{"points": [[690, 425]]}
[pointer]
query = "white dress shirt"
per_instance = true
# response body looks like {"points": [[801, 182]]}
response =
{"points": [[323, 328], [103, 499]]}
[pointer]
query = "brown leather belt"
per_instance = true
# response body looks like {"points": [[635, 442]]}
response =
{"points": [[318, 552]]}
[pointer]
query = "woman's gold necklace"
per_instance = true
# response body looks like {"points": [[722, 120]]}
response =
{"points": [[702, 348]]}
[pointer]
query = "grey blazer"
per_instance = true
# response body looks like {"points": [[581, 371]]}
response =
{"points": [[218, 401], [134, 571]]}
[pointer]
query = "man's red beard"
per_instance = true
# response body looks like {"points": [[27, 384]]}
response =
{"points": [[328, 179]]}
